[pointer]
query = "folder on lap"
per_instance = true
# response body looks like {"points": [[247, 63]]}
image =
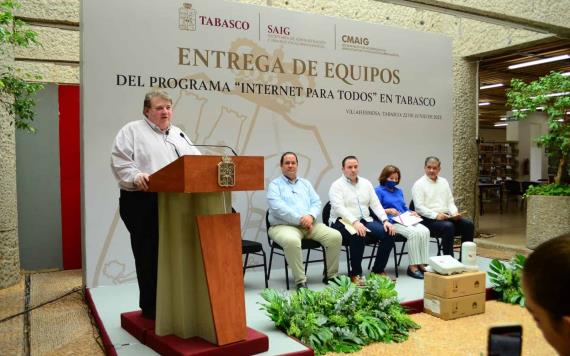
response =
{"points": [[407, 219], [348, 226]]}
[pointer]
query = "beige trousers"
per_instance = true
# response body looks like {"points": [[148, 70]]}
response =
{"points": [[289, 237]]}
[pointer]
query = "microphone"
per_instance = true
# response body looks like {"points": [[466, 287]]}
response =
{"points": [[173, 145], [219, 146]]}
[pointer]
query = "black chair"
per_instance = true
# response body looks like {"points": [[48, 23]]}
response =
{"points": [[249, 247], [403, 240], [254, 248], [527, 184], [513, 188], [435, 239], [306, 244], [398, 238]]}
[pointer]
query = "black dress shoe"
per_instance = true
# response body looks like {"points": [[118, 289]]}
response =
{"points": [[417, 274], [302, 285], [330, 280]]}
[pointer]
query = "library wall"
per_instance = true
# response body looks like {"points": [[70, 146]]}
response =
{"points": [[497, 161], [493, 134]]}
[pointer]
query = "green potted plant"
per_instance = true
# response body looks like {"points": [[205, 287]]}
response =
{"points": [[506, 279], [342, 317], [548, 206]]}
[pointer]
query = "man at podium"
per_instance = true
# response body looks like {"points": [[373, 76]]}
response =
{"points": [[141, 148], [293, 209]]}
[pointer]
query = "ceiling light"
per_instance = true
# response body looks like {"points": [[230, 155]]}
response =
{"points": [[484, 103], [491, 86], [558, 94], [552, 94], [504, 118], [566, 74], [499, 124], [539, 61]]}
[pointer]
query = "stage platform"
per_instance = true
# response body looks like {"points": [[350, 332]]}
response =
{"points": [[110, 301]]}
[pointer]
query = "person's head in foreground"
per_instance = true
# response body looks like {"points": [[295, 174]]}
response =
{"points": [[546, 285]]}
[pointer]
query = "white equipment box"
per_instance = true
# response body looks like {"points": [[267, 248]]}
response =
{"points": [[446, 264]]}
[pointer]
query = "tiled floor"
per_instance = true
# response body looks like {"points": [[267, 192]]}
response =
{"points": [[507, 228]]}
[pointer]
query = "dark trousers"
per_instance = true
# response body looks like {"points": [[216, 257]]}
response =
{"points": [[448, 229], [358, 243], [139, 212]]}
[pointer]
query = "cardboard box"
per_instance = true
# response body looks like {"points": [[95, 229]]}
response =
{"points": [[453, 308], [454, 286]]}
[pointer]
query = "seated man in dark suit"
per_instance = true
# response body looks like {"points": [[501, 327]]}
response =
{"points": [[434, 203]]}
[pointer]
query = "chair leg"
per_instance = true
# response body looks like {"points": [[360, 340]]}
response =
{"points": [[395, 258], [347, 250], [265, 275], [372, 256], [439, 247], [307, 260], [401, 252], [286, 272], [270, 261], [245, 262], [460, 247], [324, 261]]}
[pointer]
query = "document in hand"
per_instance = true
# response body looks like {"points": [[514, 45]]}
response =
{"points": [[407, 219], [458, 215], [348, 226]]}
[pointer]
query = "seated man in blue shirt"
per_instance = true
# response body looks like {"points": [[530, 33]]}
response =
{"points": [[293, 209]]}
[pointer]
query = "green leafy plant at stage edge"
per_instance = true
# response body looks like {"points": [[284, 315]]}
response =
{"points": [[16, 85], [342, 317], [548, 189], [551, 95], [506, 278]]}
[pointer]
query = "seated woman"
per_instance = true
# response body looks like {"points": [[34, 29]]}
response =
{"points": [[392, 199], [546, 286]]}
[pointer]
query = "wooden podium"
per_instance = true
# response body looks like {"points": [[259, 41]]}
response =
{"points": [[200, 288]]}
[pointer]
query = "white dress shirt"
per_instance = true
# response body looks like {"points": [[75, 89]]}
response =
{"points": [[433, 197], [141, 147], [351, 201]]}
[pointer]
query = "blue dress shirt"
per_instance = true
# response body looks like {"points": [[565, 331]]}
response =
{"points": [[290, 200], [391, 199]]}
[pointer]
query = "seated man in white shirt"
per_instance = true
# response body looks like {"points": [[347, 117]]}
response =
{"points": [[352, 197], [434, 202]]}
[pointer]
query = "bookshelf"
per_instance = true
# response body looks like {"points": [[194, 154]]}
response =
{"points": [[497, 160]]}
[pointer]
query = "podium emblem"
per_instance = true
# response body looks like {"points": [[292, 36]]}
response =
{"points": [[226, 172]]}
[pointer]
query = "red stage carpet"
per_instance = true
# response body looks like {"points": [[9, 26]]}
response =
{"points": [[143, 330]]}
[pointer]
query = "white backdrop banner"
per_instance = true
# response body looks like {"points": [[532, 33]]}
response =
{"points": [[263, 81]]}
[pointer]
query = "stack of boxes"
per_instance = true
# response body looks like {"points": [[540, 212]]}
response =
{"points": [[455, 296]]}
